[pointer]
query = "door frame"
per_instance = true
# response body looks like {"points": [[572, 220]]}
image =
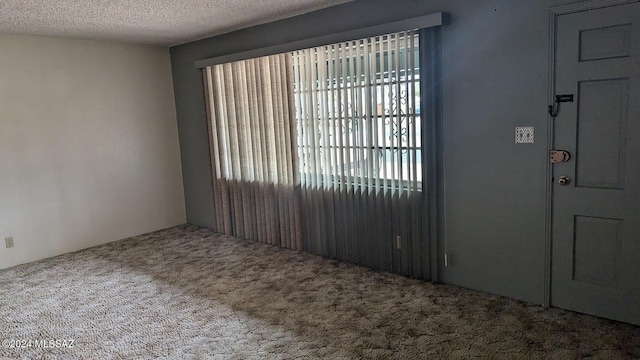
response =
{"points": [[554, 13]]}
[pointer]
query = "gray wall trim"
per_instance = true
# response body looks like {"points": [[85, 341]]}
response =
{"points": [[548, 187], [554, 12], [425, 21]]}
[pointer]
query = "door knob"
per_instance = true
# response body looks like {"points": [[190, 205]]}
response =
{"points": [[564, 180]]}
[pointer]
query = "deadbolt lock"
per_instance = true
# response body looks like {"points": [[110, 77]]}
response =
{"points": [[564, 180], [559, 156]]}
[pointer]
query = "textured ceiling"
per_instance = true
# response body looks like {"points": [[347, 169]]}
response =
{"points": [[160, 22]]}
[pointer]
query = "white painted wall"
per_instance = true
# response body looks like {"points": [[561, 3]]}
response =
{"points": [[88, 145]]}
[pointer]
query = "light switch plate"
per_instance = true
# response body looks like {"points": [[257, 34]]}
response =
{"points": [[524, 135], [8, 241]]}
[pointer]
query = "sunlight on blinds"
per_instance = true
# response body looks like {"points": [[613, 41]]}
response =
{"points": [[358, 114], [251, 123], [253, 150]]}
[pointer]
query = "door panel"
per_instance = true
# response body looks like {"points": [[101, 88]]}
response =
{"points": [[596, 216], [595, 249], [601, 144], [605, 43]]}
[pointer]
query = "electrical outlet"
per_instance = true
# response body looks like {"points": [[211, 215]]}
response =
{"points": [[9, 242], [398, 242]]}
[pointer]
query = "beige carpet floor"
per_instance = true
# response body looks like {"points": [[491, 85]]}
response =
{"points": [[187, 292]]}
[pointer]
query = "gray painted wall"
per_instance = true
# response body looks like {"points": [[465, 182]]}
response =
{"points": [[495, 64]]}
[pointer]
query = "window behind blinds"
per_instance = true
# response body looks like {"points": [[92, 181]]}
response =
{"points": [[358, 113]]}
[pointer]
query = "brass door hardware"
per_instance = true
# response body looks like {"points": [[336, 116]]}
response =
{"points": [[559, 156]]}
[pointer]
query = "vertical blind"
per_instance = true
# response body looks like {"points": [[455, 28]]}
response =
{"points": [[358, 117], [253, 150], [321, 150]]}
